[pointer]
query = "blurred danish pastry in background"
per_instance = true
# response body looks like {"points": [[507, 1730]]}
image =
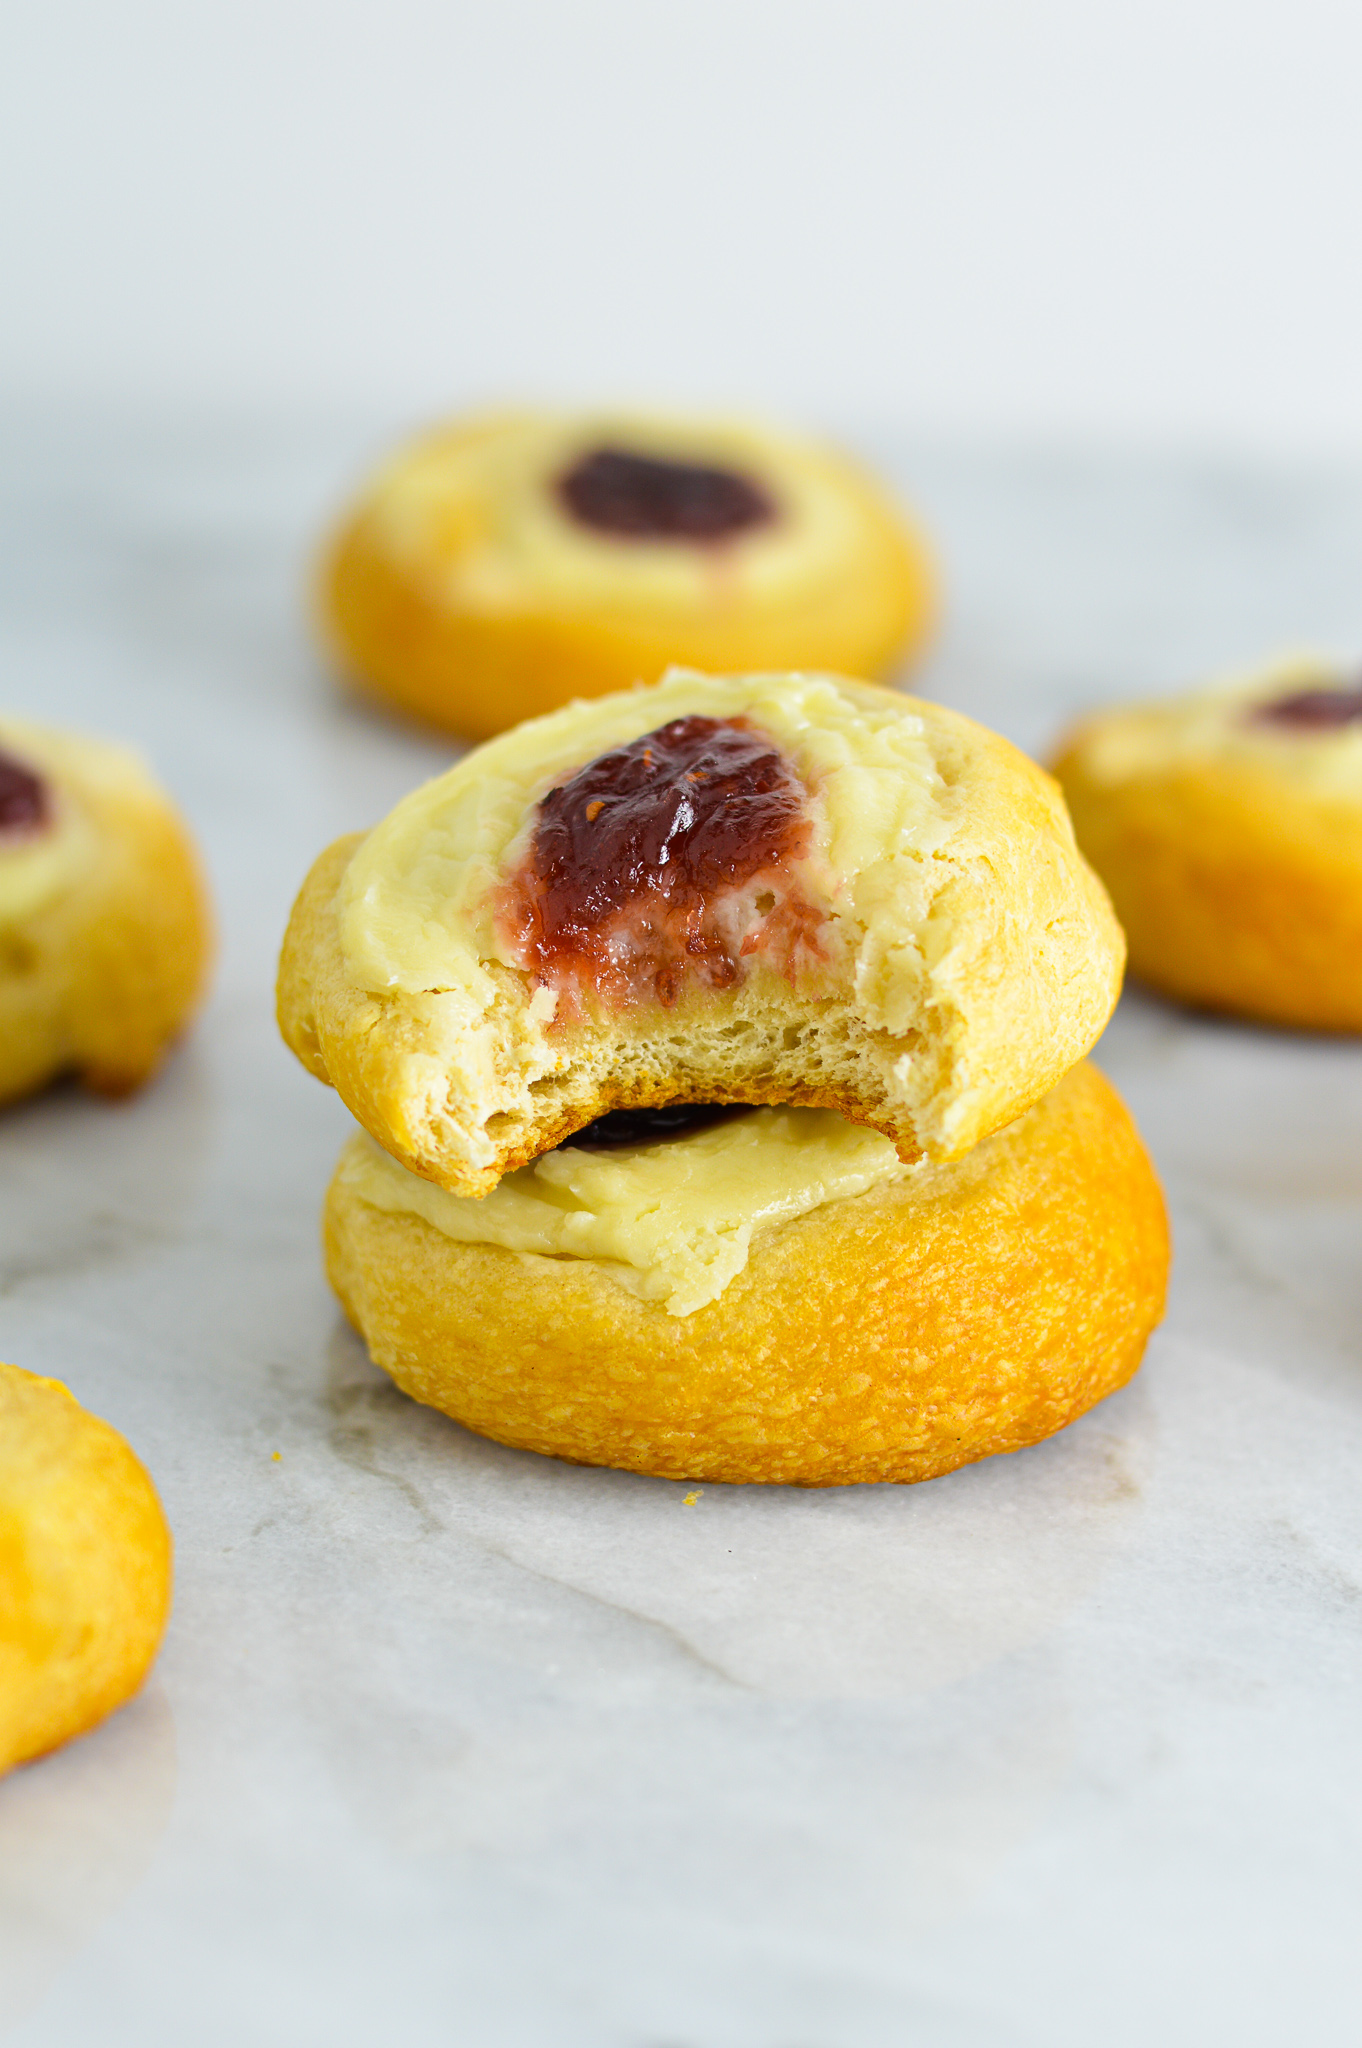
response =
{"points": [[105, 929], [1227, 826], [505, 564]]}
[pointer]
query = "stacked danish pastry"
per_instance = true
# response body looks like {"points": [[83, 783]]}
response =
{"points": [[718, 1049]]}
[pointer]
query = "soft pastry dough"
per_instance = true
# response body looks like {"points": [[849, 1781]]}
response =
{"points": [[85, 1568], [952, 954], [105, 930], [1228, 827], [465, 587], [945, 1314]]}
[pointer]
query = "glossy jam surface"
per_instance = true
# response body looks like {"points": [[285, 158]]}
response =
{"points": [[24, 805], [648, 1126], [667, 859], [639, 497], [1313, 710]]}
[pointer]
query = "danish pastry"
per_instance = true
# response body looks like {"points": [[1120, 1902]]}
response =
{"points": [[85, 1567], [1228, 827], [790, 890], [104, 923], [772, 1298], [505, 564]]}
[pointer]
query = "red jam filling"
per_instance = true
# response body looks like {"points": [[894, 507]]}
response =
{"points": [[639, 497], [24, 804], [670, 859], [1313, 710], [647, 1126]]}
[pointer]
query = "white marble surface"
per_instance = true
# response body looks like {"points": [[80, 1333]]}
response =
{"points": [[451, 1744]]}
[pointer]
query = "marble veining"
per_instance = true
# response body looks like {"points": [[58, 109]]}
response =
{"points": [[452, 1743]]}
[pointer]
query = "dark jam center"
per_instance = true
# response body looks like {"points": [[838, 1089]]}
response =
{"points": [[640, 497], [636, 862], [696, 806], [1313, 710], [23, 797], [648, 1126]]}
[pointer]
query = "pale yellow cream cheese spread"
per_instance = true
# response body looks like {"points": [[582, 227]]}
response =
{"points": [[671, 1221]]}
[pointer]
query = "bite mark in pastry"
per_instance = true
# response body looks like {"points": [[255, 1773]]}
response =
{"points": [[817, 893]]}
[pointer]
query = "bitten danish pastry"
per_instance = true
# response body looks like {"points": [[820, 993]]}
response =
{"points": [[757, 889], [1228, 827], [104, 922], [504, 564], [85, 1567], [558, 984]]}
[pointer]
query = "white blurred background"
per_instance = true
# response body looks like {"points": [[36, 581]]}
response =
{"points": [[1023, 218]]}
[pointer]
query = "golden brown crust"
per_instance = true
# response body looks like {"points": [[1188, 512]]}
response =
{"points": [[1239, 889], [399, 597], [100, 980], [85, 1568], [974, 1309]]}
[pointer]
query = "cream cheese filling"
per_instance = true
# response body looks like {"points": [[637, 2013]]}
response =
{"points": [[672, 1221]]}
